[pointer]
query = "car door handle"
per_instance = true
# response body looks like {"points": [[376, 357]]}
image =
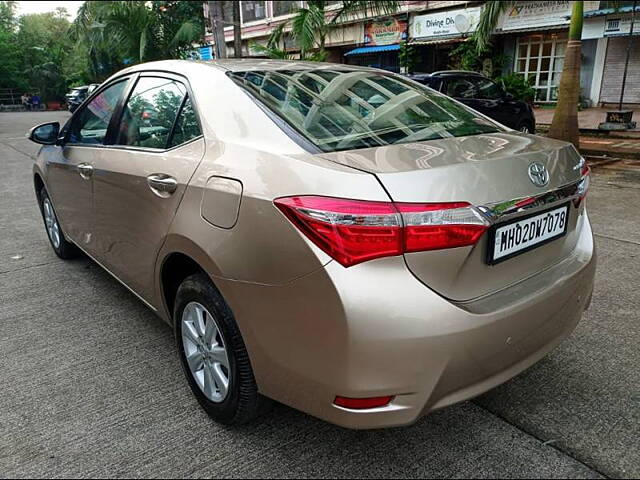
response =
{"points": [[161, 184], [85, 170]]}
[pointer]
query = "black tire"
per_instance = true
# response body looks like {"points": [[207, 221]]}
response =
{"points": [[525, 124], [65, 250], [242, 403]]}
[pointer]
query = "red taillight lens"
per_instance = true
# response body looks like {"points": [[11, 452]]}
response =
{"points": [[362, 403], [353, 231], [434, 226]]}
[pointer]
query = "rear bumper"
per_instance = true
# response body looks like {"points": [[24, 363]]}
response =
{"points": [[375, 330]]}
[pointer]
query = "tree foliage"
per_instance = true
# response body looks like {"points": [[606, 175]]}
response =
{"points": [[312, 23], [120, 33], [45, 53]]}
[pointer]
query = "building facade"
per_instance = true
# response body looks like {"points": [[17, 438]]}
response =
{"points": [[531, 38]]}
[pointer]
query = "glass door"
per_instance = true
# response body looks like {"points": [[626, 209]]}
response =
{"points": [[540, 58]]}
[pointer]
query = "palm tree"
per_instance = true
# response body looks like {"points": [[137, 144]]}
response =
{"points": [[311, 25], [565, 119], [135, 31]]}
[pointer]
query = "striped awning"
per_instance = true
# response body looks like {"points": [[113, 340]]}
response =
{"points": [[376, 49], [608, 11]]}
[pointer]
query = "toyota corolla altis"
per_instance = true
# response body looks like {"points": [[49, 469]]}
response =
{"points": [[342, 240]]}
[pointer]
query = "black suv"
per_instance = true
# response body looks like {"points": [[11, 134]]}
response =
{"points": [[481, 94]]}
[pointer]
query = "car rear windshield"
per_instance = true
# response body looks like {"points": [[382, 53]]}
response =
{"points": [[349, 109]]}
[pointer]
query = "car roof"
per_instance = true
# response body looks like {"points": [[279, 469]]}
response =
{"points": [[241, 65], [444, 73]]}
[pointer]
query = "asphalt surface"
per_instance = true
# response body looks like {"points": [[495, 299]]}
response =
{"points": [[90, 384]]}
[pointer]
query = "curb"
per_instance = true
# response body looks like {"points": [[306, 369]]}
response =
{"points": [[610, 154]]}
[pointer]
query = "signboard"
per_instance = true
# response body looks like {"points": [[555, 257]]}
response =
{"points": [[536, 14], [385, 32], [620, 24], [453, 22], [593, 28]]}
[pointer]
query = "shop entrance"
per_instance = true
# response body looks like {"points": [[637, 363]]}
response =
{"points": [[385, 60]]}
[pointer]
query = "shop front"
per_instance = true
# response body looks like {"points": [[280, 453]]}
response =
{"points": [[435, 35], [380, 45], [614, 27], [534, 37]]}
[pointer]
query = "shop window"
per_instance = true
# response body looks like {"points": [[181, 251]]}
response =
{"points": [[540, 58], [284, 8], [252, 11]]}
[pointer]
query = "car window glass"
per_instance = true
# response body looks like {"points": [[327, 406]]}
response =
{"points": [[90, 125], [346, 109], [488, 90], [187, 126], [150, 112], [460, 88]]}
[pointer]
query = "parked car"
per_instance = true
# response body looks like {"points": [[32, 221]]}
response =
{"points": [[364, 261], [482, 94], [77, 95]]}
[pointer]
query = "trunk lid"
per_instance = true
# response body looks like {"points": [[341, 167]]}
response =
{"points": [[484, 170]]}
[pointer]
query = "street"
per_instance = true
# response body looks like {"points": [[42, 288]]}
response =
{"points": [[92, 386]]}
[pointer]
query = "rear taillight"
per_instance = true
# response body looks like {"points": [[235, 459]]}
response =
{"points": [[353, 231], [583, 186], [434, 226]]}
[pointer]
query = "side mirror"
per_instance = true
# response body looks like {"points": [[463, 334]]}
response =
{"points": [[45, 134], [508, 96]]}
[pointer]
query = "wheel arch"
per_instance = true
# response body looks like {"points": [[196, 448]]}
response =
{"points": [[175, 267], [179, 258], [38, 184]]}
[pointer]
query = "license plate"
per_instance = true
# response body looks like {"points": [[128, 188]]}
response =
{"points": [[523, 234]]}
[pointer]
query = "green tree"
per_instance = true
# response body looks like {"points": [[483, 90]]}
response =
{"points": [[8, 16], [10, 58], [565, 119], [43, 43], [311, 25], [118, 33]]}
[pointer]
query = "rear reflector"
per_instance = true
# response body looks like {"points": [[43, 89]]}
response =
{"points": [[362, 403], [354, 231]]}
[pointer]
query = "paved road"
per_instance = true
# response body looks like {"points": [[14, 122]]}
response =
{"points": [[91, 386]]}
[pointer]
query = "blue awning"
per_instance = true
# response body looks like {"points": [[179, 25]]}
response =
{"points": [[379, 48], [607, 11]]}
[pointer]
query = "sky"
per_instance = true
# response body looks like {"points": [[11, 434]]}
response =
{"points": [[42, 7]]}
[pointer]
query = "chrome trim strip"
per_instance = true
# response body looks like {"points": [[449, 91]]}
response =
{"points": [[154, 309], [499, 211]]}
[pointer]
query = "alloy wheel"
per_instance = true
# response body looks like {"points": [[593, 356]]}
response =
{"points": [[205, 352], [51, 222]]}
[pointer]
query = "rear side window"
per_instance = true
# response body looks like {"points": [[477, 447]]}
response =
{"points": [[341, 109], [150, 112], [461, 88], [487, 89], [186, 127], [90, 125]]}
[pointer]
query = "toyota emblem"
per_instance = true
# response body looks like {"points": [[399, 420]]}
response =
{"points": [[538, 174]]}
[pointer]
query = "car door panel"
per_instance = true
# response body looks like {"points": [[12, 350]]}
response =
{"points": [[70, 193], [138, 185], [131, 219], [492, 102], [70, 165]]}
